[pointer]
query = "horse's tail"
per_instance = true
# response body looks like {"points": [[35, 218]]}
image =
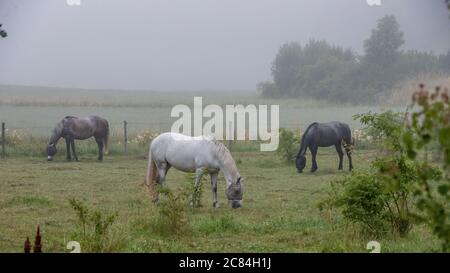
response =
{"points": [[302, 142], [347, 140], [151, 177], [105, 139]]}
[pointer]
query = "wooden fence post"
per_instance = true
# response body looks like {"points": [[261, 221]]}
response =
{"points": [[125, 137], [3, 140]]}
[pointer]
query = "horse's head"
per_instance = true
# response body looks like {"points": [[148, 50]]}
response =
{"points": [[234, 193], [51, 151], [300, 163]]}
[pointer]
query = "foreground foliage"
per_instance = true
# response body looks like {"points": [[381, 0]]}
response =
{"points": [[431, 125], [403, 186], [94, 228]]}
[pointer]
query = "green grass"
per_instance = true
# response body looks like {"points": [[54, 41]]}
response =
{"points": [[26, 201], [280, 211]]}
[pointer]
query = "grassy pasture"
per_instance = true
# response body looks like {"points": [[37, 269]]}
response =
{"points": [[280, 211]]}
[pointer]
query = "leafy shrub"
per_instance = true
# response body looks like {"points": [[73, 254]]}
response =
{"points": [[287, 147], [430, 124], [398, 176], [384, 128], [378, 200], [362, 202], [94, 232], [193, 193], [172, 218]]}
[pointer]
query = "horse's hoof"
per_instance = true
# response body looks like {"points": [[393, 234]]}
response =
{"points": [[216, 205], [313, 170]]}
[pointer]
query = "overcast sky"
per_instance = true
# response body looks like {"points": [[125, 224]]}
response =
{"points": [[188, 44]]}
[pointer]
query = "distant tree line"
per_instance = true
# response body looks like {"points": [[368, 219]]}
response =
{"points": [[323, 71]]}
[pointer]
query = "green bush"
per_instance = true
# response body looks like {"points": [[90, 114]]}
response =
{"points": [[172, 218], [94, 229], [430, 125], [360, 197], [288, 145], [385, 129], [379, 200], [193, 193]]}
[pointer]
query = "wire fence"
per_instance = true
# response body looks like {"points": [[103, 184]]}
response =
{"points": [[121, 133], [137, 134]]}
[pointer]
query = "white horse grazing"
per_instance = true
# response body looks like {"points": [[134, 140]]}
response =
{"points": [[194, 154]]}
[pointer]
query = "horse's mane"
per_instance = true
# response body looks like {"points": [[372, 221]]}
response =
{"points": [[225, 157], [302, 142], [57, 131], [306, 131]]}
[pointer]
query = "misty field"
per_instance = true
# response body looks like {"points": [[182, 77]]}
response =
{"points": [[35, 111], [280, 212]]}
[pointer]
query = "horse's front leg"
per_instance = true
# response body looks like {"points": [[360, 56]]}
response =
{"points": [[68, 156], [214, 177], [313, 149], [198, 180], [72, 143]]}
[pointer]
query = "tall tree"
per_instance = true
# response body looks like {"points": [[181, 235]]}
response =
{"points": [[382, 51], [382, 48], [286, 66]]}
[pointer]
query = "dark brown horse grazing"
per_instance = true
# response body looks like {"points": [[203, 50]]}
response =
{"points": [[317, 135], [71, 128]]}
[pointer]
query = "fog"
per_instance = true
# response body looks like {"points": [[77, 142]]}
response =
{"points": [[188, 44]]}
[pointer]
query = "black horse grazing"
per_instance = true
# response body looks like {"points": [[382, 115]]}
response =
{"points": [[325, 135], [71, 128]]}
